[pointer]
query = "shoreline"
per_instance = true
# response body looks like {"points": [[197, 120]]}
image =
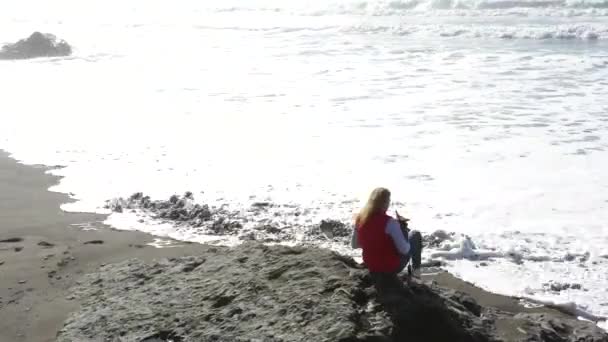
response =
{"points": [[46, 255], [50, 252]]}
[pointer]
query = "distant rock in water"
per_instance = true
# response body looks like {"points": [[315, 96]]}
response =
{"points": [[255, 292], [558, 286], [36, 45]]}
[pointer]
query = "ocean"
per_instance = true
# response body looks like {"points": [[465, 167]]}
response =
{"points": [[485, 118]]}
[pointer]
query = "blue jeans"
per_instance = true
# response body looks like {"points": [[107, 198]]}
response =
{"points": [[415, 253]]}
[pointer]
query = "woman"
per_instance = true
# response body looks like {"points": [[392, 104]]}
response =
{"points": [[385, 248]]}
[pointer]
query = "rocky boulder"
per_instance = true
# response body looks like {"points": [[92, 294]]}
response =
{"points": [[36, 45], [255, 292], [262, 221]]}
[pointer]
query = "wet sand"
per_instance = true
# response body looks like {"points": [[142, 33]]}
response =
{"points": [[50, 251]]}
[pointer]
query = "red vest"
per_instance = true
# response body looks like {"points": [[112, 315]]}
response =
{"points": [[379, 251]]}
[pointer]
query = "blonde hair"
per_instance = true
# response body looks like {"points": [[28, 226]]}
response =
{"points": [[378, 202]]}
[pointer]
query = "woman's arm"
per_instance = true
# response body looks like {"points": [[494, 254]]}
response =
{"points": [[393, 229]]}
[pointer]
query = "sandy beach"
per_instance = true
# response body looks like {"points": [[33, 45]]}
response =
{"points": [[50, 251], [44, 251]]}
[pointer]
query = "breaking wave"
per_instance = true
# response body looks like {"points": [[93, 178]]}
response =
{"points": [[388, 7], [561, 32]]}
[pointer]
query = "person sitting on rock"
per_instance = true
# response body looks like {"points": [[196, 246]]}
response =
{"points": [[386, 249]]}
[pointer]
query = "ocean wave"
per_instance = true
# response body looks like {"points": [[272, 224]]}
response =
{"points": [[561, 32], [392, 7]]}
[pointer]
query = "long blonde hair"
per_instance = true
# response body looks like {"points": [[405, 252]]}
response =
{"points": [[378, 202]]}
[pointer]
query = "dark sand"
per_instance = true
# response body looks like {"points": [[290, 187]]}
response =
{"points": [[35, 279]]}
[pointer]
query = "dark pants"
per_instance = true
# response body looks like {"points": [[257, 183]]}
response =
{"points": [[415, 253]]}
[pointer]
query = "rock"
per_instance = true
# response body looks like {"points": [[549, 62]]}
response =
{"points": [[558, 287], [224, 227], [267, 228], [333, 228], [179, 210], [94, 242], [260, 205], [18, 249], [192, 265], [45, 244], [245, 225], [330, 229], [36, 45], [467, 301], [569, 257], [173, 199], [11, 240], [136, 196], [22, 281], [255, 292], [250, 236], [1, 262], [542, 327]]}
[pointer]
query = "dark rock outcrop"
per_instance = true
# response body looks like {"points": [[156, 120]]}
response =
{"points": [[36, 45], [180, 210], [333, 228], [558, 286], [274, 293], [330, 229], [263, 221]]}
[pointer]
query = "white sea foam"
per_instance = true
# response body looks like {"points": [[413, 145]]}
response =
{"points": [[563, 32], [485, 118]]}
